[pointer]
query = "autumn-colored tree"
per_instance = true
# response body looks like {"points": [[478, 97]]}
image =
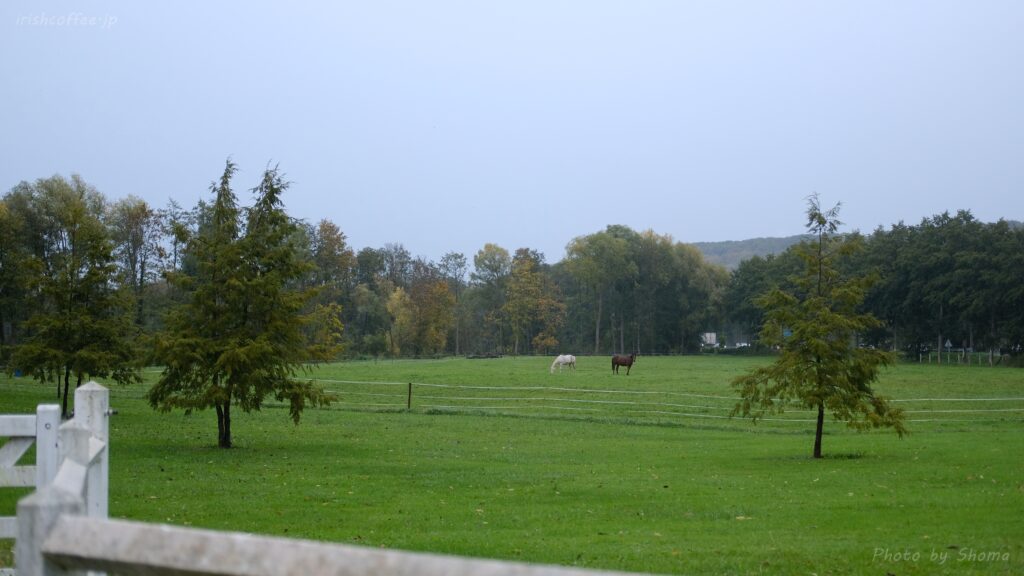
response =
{"points": [[400, 333], [531, 302]]}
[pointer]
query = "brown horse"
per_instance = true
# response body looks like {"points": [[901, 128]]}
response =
{"points": [[623, 360]]}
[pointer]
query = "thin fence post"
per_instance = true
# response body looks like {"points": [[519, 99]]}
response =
{"points": [[47, 443], [408, 402]]}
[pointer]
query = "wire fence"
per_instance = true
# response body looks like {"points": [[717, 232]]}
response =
{"points": [[691, 408], [653, 406]]}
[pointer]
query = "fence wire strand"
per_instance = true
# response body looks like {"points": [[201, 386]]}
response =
{"points": [[540, 401]]}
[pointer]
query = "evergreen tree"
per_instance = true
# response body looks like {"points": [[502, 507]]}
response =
{"points": [[815, 326], [243, 332]]}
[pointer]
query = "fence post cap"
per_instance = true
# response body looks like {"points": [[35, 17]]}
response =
{"points": [[92, 385]]}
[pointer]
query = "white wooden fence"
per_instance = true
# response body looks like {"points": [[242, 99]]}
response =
{"points": [[22, 432], [63, 529]]}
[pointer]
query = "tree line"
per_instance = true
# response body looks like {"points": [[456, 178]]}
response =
{"points": [[950, 281], [111, 273]]}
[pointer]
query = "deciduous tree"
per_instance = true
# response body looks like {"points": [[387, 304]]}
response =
{"points": [[453, 268], [136, 234], [599, 261], [531, 304], [78, 326], [492, 265]]}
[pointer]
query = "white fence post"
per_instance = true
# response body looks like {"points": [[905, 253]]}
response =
{"points": [[47, 451], [71, 473], [37, 515], [92, 410], [23, 431], [39, 512]]}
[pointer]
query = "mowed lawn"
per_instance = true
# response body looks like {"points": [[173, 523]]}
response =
{"points": [[498, 458]]}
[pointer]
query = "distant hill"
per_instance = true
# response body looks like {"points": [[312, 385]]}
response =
{"points": [[731, 252]]}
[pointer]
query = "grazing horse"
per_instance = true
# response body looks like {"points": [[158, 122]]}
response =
{"points": [[563, 360], [623, 360]]}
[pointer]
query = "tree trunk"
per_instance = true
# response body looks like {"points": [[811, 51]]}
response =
{"points": [[597, 326], [224, 424], [457, 336], [818, 431], [67, 384], [622, 333], [992, 335], [611, 332], [139, 297]]}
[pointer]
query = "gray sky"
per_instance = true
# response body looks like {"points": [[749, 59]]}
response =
{"points": [[446, 125]]}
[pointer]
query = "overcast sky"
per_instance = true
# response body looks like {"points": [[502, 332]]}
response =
{"points": [[446, 125]]}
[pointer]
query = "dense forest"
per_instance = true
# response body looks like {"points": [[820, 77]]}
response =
{"points": [[94, 273]]}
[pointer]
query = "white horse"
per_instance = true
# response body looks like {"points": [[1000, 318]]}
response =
{"points": [[563, 360]]}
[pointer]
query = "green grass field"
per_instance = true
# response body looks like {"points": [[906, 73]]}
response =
{"points": [[498, 458]]}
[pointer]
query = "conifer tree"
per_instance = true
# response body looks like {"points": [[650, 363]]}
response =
{"points": [[815, 327], [243, 333]]}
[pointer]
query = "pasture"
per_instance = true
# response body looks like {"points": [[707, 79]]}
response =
{"points": [[500, 458]]}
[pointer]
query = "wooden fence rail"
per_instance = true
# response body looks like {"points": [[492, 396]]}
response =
{"points": [[22, 432], [129, 548]]}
